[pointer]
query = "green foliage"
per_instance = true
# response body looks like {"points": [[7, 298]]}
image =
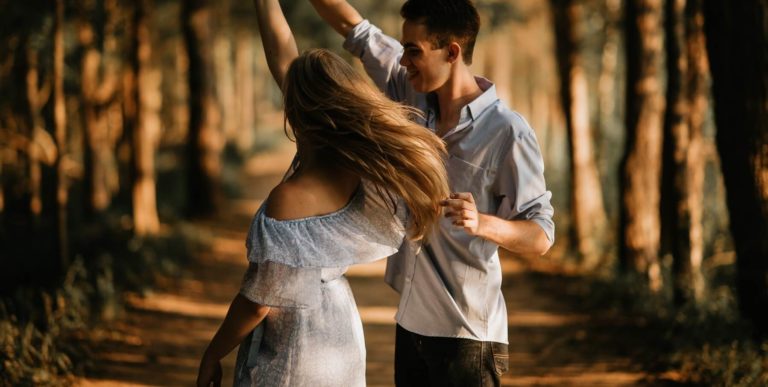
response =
{"points": [[44, 332], [705, 343], [36, 328], [714, 346], [736, 364]]}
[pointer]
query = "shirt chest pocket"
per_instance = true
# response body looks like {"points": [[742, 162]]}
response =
{"points": [[464, 176]]}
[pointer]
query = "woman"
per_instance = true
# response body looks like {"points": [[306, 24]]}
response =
{"points": [[356, 152]]}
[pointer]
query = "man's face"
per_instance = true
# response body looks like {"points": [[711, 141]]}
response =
{"points": [[428, 67]]}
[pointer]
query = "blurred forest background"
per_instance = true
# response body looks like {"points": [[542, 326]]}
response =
{"points": [[123, 122]]}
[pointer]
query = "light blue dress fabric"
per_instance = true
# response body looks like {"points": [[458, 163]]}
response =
{"points": [[312, 335]]}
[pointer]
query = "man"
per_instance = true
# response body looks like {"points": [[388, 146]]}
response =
{"points": [[452, 320]]}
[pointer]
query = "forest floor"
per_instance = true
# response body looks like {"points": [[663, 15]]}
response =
{"points": [[554, 339]]}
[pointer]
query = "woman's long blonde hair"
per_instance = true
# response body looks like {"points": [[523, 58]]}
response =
{"points": [[335, 113]]}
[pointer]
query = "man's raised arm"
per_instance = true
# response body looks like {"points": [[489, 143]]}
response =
{"points": [[277, 38], [339, 14]]}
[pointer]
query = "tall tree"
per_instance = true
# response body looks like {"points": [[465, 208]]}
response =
{"points": [[641, 165], [698, 90], [35, 101], [736, 43], [60, 125], [2, 199], [97, 93], [587, 208], [224, 71], [205, 139], [683, 175], [609, 61], [245, 90], [36, 137], [33, 142], [143, 103]]}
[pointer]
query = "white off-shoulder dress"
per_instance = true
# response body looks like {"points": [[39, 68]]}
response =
{"points": [[312, 335]]}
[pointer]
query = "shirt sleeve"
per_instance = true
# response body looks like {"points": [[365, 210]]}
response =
{"points": [[380, 55], [520, 180]]}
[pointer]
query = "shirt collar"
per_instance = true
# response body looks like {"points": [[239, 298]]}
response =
{"points": [[469, 112], [484, 100]]}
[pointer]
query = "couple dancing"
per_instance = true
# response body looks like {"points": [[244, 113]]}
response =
{"points": [[369, 182]]}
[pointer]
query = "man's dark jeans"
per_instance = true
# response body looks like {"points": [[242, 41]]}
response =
{"points": [[446, 361]]}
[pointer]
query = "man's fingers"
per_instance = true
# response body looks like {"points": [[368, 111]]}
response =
{"points": [[457, 204], [463, 196], [459, 215], [463, 223]]}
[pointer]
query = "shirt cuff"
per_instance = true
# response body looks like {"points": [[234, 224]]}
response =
{"points": [[548, 226], [357, 38]]}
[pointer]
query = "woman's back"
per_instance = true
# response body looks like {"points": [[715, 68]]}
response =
{"points": [[298, 254]]}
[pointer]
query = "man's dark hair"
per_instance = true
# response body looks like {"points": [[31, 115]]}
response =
{"points": [[446, 21]]}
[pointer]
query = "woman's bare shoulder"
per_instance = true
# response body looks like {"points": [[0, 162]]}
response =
{"points": [[290, 200]]}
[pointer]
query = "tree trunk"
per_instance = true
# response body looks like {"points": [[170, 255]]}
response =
{"points": [[225, 85], [683, 176], [97, 93], [89, 72], [180, 95], [244, 89], [31, 137], [204, 137], [497, 67], [736, 42], [675, 217], [145, 128], [641, 165], [35, 125], [587, 210], [2, 199], [609, 60], [60, 125], [675, 122], [698, 102]]}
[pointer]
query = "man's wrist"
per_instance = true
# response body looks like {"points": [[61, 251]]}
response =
{"points": [[484, 226]]}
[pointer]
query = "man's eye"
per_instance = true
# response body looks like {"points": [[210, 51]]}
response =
{"points": [[412, 52]]}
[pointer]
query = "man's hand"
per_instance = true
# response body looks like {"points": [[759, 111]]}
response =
{"points": [[460, 207]]}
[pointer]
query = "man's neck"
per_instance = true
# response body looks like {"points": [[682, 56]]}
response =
{"points": [[460, 89]]}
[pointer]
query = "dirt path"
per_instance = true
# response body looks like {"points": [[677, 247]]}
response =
{"points": [[161, 338]]}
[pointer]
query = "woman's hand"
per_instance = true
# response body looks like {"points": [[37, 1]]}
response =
{"points": [[242, 317], [209, 373]]}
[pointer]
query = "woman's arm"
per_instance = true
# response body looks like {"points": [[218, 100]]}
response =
{"points": [[243, 316], [277, 38]]}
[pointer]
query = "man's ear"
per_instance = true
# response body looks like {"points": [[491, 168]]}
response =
{"points": [[454, 52]]}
